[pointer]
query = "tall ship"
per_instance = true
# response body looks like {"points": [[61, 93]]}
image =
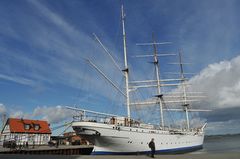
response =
{"points": [[114, 134]]}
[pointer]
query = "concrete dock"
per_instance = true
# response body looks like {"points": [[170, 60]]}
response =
{"points": [[228, 155], [47, 150], [82, 151]]}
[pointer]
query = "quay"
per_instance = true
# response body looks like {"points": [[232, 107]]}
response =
{"points": [[227, 155], [47, 150]]}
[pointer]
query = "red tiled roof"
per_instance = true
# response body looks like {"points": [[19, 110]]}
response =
{"points": [[18, 126]]}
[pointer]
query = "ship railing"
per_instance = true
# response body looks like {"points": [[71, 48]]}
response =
{"points": [[93, 116], [123, 121], [113, 120], [118, 122], [90, 118]]}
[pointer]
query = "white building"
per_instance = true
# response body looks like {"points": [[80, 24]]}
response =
{"points": [[35, 132]]}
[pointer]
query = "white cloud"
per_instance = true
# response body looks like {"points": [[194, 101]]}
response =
{"points": [[17, 114], [2, 108], [19, 80], [53, 114], [56, 19], [221, 83]]}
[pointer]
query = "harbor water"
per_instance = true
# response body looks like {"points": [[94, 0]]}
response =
{"points": [[220, 144]]}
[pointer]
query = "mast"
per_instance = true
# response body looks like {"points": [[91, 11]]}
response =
{"points": [[157, 69], [125, 70], [185, 104], [157, 72]]}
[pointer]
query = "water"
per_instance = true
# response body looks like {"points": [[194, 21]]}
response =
{"points": [[220, 144]]}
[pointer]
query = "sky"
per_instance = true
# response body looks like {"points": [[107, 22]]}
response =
{"points": [[44, 46]]}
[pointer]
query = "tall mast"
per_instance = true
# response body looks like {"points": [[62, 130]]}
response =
{"points": [[157, 69], [185, 104], [126, 66]]}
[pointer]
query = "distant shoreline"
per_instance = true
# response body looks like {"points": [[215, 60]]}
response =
{"points": [[220, 135]]}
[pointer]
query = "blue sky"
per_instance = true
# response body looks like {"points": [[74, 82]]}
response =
{"points": [[43, 45]]}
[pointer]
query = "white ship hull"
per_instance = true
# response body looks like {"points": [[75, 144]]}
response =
{"points": [[112, 139]]}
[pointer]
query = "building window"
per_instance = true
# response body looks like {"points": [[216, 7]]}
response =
{"points": [[36, 127], [45, 138], [26, 126], [30, 138]]}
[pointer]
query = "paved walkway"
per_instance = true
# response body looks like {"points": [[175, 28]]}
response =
{"points": [[234, 155], [47, 147]]}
